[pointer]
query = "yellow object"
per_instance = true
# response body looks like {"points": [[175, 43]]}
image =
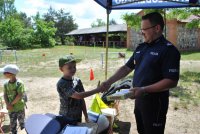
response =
{"points": [[97, 104]]}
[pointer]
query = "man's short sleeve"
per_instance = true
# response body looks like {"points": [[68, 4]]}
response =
{"points": [[171, 63], [130, 63]]}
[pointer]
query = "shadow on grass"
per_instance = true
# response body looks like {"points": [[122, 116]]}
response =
{"points": [[123, 127], [181, 92], [190, 77]]}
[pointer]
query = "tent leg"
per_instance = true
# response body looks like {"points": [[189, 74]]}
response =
{"points": [[106, 60], [165, 23]]}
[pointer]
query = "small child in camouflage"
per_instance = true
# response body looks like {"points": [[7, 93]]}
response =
{"points": [[13, 93], [71, 91]]}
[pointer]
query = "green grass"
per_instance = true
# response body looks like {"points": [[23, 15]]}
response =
{"points": [[187, 91], [190, 55]]}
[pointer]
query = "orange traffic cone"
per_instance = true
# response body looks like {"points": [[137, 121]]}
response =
{"points": [[91, 74]]}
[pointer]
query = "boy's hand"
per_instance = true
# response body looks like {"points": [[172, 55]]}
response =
{"points": [[9, 107], [105, 85]]}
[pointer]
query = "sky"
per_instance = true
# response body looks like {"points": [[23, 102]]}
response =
{"points": [[84, 11]]}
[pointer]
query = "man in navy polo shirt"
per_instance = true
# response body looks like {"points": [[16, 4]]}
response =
{"points": [[156, 63]]}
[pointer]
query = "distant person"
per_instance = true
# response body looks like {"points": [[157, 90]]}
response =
{"points": [[13, 96], [156, 63], [71, 91]]}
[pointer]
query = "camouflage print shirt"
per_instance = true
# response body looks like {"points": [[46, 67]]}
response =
{"points": [[12, 90], [70, 107]]}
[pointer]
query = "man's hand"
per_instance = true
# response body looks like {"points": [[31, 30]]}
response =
{"points": [[9, 107], [104, 86], [100, 89], [137, 91]]}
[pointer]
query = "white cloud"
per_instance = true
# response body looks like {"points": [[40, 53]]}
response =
{"points": [[84, 11]]}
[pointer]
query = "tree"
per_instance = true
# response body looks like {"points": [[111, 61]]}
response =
{"points": [[64, 22], [23, 17], [112, 22], [132, 20], [184, 13], [44, 32], [98, 23], [161, 11], [50, 15], [7, 8], [13, 33]]}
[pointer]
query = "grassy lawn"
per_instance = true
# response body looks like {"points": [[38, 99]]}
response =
{"points": [[190, 55], [188, 90]]}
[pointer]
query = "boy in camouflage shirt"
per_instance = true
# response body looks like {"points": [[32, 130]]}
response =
{"points": [[71, 91], [13, 92]]}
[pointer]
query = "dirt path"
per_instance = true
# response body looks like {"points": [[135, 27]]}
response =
{"points": [[43, 98]]}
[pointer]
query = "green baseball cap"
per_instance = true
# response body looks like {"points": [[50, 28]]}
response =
{"points": [[67, 59]]}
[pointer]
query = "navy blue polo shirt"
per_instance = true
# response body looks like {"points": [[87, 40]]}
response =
{"points": [[154, 61]]}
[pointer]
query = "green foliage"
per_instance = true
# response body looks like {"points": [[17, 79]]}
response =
{"points": [[7, 8], [132, 20], [13, 33], [63, 21], [18, 31], [184, 13], [70, 40], [146, 11], [44, 33], [23, 18], [98, 23]]}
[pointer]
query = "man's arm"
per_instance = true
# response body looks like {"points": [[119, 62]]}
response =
{"points": [[160, 86], [119, 74]]}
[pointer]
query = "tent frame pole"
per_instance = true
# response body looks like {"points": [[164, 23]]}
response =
{"points": [[165, 23], [107, 40]]}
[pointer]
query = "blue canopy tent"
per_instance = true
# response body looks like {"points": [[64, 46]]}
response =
{"points": [[141, 4]]}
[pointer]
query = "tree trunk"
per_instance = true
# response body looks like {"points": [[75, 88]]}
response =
{"points": [[62, 39]]}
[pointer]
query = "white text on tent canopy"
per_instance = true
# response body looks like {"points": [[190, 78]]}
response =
{"points": [[117, 2]]}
